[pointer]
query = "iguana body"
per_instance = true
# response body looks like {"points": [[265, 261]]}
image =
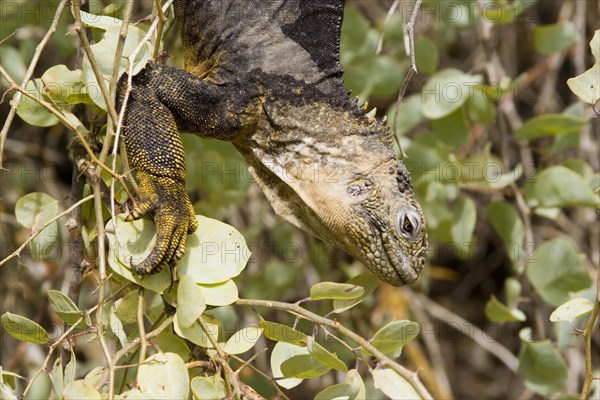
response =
{"points": [[266, 76]]}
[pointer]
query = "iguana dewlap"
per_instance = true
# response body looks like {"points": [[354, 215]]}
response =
{"points": [[266, 76]]}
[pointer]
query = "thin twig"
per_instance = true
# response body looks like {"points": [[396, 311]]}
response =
{"points": [[479, 337], [222, 359], [587, 336], [161, 23], [388, 16], [410, 376], [50, 351], [103, 279], [141, 306], [409, 47], [78, 27], [35, 233], [28, 74], [65, 121]]}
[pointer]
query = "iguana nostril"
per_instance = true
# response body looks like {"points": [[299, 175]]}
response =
{"points": [[409, 223]]}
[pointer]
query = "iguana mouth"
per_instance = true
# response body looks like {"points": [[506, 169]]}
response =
{"points": [[393, 262]]}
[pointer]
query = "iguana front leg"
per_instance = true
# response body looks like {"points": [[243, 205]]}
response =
{"points": [[162, 101]]}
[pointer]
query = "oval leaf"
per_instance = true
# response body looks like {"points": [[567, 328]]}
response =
{"points": [[325, 356], [334, 290], [62, 305], [550, 125], [33, 211], [498, 312], [23, 329], [243, 340], [79, 390], [390, 339], [340, 390], [283, 351], [368, 282], [571, 310], [163, 375], [283, 333], [393, 385], [556, 269], [208, 388], [220, 294], [303, 366], [447, 91], [190, 301], [550, 378]]}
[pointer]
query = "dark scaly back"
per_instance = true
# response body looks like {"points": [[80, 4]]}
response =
{"points": [[276, 44]]}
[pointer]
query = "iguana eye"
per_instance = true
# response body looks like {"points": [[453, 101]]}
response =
{"points": [[408, 223]]}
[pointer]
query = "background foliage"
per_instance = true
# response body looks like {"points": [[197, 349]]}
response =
{"points": [[502, 146]]}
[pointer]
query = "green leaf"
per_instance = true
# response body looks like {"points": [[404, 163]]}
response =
{"points": [[557, 269], [426, 55], [281, 352], [542, 367], [208, 388], [558, 186], [393, 385], [169, 342], [195, 333], [409, 114], [65, 307], [104, 53], [334, 290], [340, 390], [368, 282], [451, 129], [31, 111], [163, 376], [65, 86], [512, 290], [481, 108], [496, 311], [548, 39], [354, 379], [23, 329], [127, 307], [56, 377], [243, 340], [215, 253], [190, 301], [220, 294], [71, 368], [325, 356], [303, 366], [550, 125], [587, 85], [33, 211], [80, 390], [390, 338], [6, 392], [572, 309], [507, 222], [465, 215], [282, 333], [447, 91]]}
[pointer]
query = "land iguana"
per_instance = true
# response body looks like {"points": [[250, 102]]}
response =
{"points": [[266, 76]]}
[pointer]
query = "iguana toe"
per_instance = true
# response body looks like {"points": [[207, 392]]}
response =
{"points": [[173, 216]]}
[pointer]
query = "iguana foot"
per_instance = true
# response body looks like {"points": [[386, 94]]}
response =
{"points": [[168, 202]]}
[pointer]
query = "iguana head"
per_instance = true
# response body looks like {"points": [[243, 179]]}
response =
{"points": [[335, 175]]}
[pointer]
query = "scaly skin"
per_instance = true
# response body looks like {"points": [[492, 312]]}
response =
{"points": [[266, 76]]}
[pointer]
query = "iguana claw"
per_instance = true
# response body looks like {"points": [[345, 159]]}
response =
{"points": [[174, 218]]}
